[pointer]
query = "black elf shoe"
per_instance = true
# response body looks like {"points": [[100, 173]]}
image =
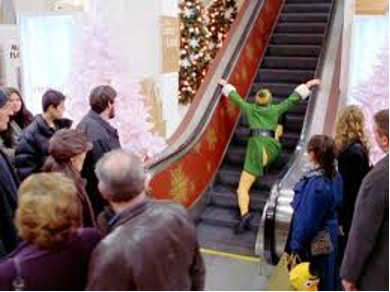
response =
{"points": [[244, 224]]}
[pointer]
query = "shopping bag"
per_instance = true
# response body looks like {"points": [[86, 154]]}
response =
{"points": [[280, 279]]}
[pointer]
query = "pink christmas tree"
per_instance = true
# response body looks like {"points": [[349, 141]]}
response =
{"points": [[372, 95], [96, 61]]}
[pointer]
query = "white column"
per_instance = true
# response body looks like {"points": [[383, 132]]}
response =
{"points": [[346, 57], [7, 11], [136, 25], [9, 56], [169, 82]]}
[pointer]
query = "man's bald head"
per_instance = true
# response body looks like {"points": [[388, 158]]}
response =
{"points": [[121, 176]]}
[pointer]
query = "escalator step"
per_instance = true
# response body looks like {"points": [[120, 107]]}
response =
{"points": [[301, 63], [223, 239], [307, 8], [227, 217], [226, 197], [308, 1], [290, 140], [303, 18], [293, 122], [231, 177], [279, 76], [299, 109], [297, 39], [293, 51], [304, 28]]}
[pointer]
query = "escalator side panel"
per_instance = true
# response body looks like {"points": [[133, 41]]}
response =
{"points": [[186, 179]]}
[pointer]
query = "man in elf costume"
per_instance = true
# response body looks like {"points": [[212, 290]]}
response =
{"points": [[264, 147]]}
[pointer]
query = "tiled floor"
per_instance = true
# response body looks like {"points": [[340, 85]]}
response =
{"points": [[226, 273]]}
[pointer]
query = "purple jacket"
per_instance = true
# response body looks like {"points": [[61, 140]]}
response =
{"points": [[62, 269]]}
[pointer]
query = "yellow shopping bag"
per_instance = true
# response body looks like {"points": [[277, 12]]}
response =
{"points": [[280, 279]]}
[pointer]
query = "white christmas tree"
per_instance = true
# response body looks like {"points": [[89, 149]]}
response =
{"points": [[96, 61], [372, 95]]}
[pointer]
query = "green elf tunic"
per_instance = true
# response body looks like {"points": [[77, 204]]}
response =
{"points": [[263, 117]]}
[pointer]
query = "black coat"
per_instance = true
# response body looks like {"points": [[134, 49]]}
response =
{"points": [[33, 147], [104, 139], [366, 259], [354, 164], [8, 202]]}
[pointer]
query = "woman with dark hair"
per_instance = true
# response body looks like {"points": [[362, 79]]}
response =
{"points": [[353, 163], [317, 200], [22, 116], [67, 150], [19, 120]]}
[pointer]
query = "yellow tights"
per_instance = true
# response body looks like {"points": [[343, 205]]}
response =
{"points": [[246, 182]]}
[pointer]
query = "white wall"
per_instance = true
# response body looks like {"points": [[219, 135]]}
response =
{"points": [[137, 27], [9, 57], [33, 6], [370, 34], [136, 24]]}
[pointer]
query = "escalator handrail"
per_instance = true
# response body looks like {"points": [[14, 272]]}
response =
{"points": [[210, 92], [266, 242]]}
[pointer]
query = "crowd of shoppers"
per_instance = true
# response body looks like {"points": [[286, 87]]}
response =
{"points": [[340, 220], [83, 206], [48, 226]]}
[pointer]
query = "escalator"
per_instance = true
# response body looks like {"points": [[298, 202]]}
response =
{"points": [[292, 57], [272, 44]]}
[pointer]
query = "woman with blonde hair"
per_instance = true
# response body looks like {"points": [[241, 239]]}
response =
{"points": [[55, 251], [353, 163]]}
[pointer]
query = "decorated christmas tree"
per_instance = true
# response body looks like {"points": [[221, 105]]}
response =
{"points": [[372, 95], [222, 14], [195, 54], [96, 61]]}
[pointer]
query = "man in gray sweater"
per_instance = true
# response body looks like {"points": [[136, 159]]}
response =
{"points": [[366, 260]]}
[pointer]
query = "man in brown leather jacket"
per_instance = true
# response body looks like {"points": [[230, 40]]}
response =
{"points": [[152, 245]]}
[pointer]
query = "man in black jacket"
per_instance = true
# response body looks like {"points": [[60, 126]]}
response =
{"points": [[33, 147], [366, 260], [103, 136], [8, 189]]}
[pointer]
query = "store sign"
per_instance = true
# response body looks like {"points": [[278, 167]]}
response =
{"points": [[9, 56], [170, 33]]}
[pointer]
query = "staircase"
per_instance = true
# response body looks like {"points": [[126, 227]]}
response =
{"points": [[291, 58]]}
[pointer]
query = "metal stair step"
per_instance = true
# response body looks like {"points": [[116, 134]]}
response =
{"points": [[293, 122], [294, 50], [286, 75], [296, 39], [308, 1], [309, 28], [307, 8], [227, 217], [303, 18], [226, 196], [277, 89], [294, 63]]}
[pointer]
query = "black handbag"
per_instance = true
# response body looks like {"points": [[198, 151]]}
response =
{"points": [[321, 244]]}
